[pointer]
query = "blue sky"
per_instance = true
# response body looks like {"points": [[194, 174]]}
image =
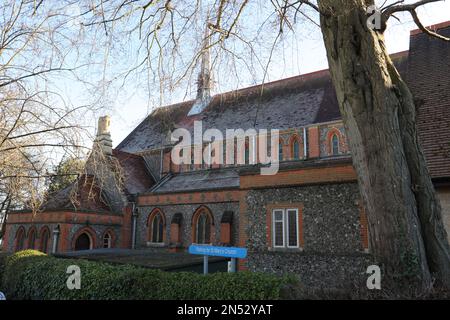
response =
{"points": [[298, 54]]}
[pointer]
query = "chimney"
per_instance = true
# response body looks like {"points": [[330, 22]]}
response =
{"points": [[204, 81], [103, 138]]}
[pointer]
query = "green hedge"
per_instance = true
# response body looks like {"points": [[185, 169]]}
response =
{"points": [[30, 274], [3, 256]]}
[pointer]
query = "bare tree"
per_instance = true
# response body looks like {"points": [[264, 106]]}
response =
{"points": [[405, 220], [39, 45]]}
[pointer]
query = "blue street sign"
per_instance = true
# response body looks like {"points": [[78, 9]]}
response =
{"points": [[226, 252]]}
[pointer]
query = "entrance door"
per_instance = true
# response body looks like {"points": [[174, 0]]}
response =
{"points": [[83, 242]]}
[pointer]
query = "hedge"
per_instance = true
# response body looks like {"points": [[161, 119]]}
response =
{"points": [[30, 274]]}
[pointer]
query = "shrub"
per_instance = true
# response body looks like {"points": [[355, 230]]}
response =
{"points": [[3, 256], [32, 275]]}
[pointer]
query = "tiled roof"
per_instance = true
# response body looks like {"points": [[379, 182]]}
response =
{"points": [[429, 80], [284, 104], [137, 178], [217, 179]]}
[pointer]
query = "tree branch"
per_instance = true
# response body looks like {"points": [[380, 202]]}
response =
{"points": [[411, 8]]}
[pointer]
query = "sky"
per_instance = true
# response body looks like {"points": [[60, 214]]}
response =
{"points": [[302, 54]]}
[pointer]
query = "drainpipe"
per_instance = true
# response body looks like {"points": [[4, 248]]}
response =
{"points": [[305, 143], [56, 233], [134, 216]]}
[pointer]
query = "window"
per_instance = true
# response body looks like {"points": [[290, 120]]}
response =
{"points": [[334, 145], [20, 239], [280, 151], [295, 149], [203, 228], [157, 228], [45, 236], [107, 241], [285, 228], [247, 154], [31, 239]]}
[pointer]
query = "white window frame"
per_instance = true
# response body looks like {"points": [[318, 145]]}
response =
{"points": [[296, 228], [274, 221], [285, 224]]}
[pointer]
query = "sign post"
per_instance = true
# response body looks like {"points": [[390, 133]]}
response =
{"points": [[205, 264], [226, 252]]}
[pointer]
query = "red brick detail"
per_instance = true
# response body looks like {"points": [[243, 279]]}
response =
{"points": [[62, 217], [338, 173], [225, 233], [292, 139], [189, 198], [343, 147], [166, 162], [175, 235], [364, 230], [269, 220], [5, 243], [126, 228], [313, 142]]}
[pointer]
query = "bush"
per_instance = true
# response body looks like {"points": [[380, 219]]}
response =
{"points": [[3, 256], [30, 274]]}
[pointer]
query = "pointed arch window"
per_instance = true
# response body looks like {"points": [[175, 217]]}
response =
{"points": [[32, 238], [20, 239], [295, 149], [334, 145], [107, 240], [280, 151], [156, 225], [45, 237], [202, 227], [247, 153]]}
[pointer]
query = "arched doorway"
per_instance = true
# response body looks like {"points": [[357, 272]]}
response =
{"points": [[83, 242]]}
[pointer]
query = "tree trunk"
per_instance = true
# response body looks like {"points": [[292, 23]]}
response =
{"points": [[405, 225]]}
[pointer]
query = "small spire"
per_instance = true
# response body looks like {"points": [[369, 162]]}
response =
{"points": [[204, 81]]}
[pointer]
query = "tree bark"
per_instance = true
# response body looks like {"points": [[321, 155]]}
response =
{"points": [[405, 225]]}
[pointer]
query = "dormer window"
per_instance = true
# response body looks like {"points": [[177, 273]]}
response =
{"points": [[280, 151], [295, 149], [247, 153]]}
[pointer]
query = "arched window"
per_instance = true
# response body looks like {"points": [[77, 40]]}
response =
{"points": [[107, 240], [247, 154], [156, 225], [280, 151], [202, 227], [20, 239], [83, 242], [32, 238], [45, 237], [192, 159], [295, 149], [334, 145]]}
